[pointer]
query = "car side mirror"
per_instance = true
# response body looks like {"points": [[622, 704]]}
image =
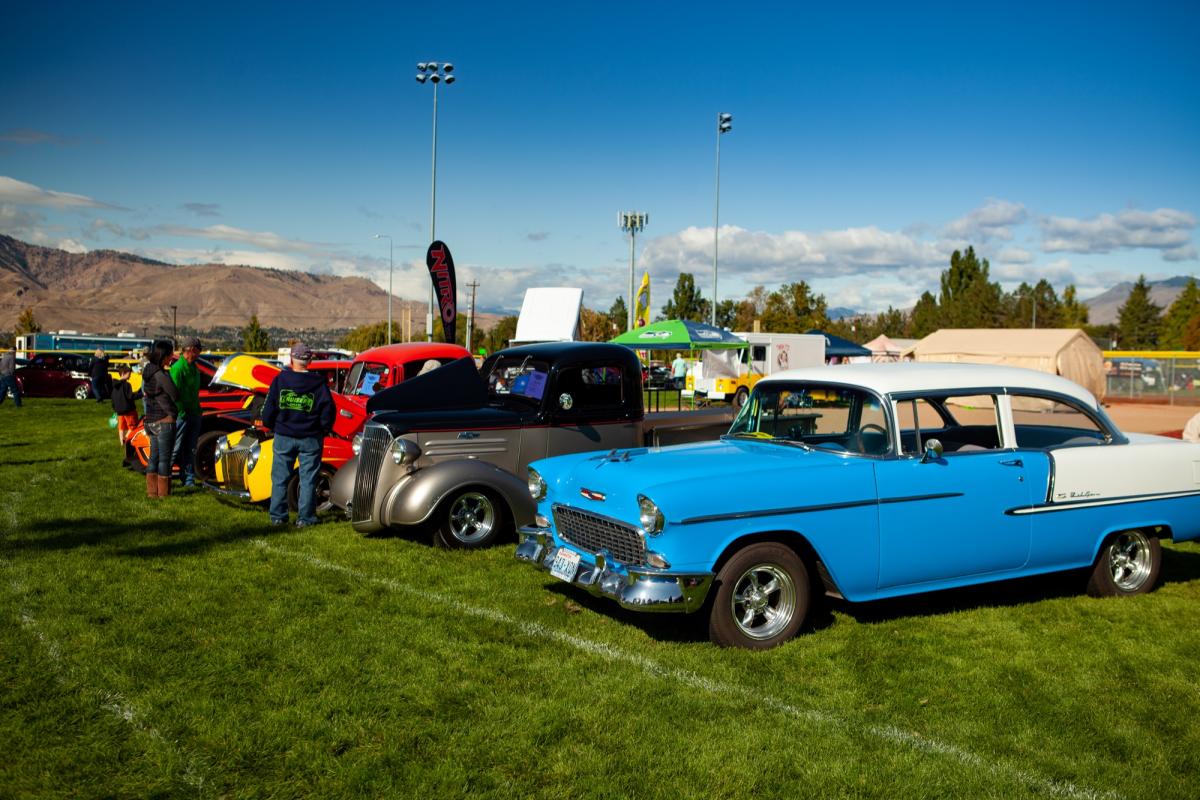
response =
{"points": [[565, 401], [933, 451]]}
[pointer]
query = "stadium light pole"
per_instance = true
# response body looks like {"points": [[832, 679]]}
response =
{"points": [[434, 73], [632, 222], [724, 125], [389, 238]]}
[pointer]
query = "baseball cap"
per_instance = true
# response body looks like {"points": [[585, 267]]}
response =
{"points": [[300, 352]]}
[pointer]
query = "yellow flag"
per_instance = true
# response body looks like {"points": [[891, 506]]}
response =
{"points": [[641, 308]]}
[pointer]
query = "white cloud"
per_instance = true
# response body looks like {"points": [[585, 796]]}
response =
{"points": [[71, 246], [1165, 229], [993, 220], [26, 194], [1014, 255], [228, 233]]}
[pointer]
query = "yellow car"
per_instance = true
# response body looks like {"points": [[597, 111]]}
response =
{"points": [[243, 467], [135, 377]]}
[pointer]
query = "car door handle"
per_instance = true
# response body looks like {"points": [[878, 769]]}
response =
{"points": [[1016, 462], [345, 413]]}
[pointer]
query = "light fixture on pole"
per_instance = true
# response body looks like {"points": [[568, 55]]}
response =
{"points": [[434, 73], [632, 223], [724, 125], [389, 238]]}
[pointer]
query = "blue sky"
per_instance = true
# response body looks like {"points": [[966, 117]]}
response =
{"points": [[869, 140]]}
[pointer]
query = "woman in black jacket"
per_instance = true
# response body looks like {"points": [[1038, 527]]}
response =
{"points": [[159, 394]]}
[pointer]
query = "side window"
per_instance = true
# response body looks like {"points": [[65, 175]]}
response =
{"points": [[1042, 422], [962, 423], [591, 388]]}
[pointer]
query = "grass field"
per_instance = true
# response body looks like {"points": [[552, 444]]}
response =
{"points": [[184, 649]]}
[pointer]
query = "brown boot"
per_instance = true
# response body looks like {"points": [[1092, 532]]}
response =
{"points": [[151, 485], [164, 485]]}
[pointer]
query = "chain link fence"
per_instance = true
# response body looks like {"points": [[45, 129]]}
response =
{"points": [[1171, 377]]}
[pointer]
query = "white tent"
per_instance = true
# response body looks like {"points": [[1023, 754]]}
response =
{"points": [[1059, 351], [884, 348]]}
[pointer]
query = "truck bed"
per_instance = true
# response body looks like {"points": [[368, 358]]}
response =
{"points": [[680, 427]]}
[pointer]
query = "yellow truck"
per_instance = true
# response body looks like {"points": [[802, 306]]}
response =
{"points": [[731, 374]]}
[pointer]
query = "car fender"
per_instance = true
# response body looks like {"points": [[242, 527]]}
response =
{"points": [[342, 490], [413, 501]]}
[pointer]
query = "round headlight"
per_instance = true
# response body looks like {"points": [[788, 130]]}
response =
{"points": [[356, 444], [222, 445], [405, 451], [252, 459], [537, 485], [649, 515]]}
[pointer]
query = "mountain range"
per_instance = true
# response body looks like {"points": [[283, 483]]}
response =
{"points": [[103, 291]]}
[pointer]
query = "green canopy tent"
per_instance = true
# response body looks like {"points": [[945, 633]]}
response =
{"points": [[679, 334]]}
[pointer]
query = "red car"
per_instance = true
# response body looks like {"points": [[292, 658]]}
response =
{"points": [[56, 375]]}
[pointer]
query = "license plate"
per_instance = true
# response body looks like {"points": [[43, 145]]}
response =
{"points": [[566, 563]]}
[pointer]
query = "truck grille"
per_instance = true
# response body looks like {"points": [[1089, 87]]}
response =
{"points": [[595, 533], [233, 467], [376, 439]]}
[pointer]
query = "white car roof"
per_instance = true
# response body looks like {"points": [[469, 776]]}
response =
{"points": [[891, 378]]}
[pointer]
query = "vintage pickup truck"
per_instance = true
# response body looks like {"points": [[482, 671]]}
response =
{"points": [[447, 447]]}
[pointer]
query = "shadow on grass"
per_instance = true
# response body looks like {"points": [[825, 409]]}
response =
{"points": [[1178, 567]]}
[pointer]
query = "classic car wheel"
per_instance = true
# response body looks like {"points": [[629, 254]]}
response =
{"points": [[321, 489], [762, 599], [1129, 563], [205, 462], [739, 399], [83, 392], [470, 519]]}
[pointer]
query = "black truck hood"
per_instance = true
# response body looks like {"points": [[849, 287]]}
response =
{"points": [[457, 385]]}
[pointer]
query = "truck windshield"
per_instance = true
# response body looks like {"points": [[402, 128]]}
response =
{"points": [[516, 377], [366, 378], [837, 418]]}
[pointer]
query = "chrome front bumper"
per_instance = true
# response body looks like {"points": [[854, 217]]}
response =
{"points": [[224, 492], [639, 589]]}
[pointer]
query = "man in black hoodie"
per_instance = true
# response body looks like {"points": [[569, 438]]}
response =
{"points": [[299, 409]]}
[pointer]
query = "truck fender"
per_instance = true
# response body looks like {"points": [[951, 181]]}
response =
{"points": [[413, 501], [341, 492]]}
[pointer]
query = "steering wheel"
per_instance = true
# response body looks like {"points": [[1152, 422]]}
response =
{"points": [[873, 428]]}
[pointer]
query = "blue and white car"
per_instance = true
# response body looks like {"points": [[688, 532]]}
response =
{"points": [[867, 481]]}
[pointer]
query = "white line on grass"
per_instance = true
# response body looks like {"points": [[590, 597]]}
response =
{"points": [[113, 702], [608, 652]]}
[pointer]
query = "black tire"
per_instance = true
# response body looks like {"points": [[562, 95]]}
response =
{"points": [[204, 464], [322, 489], [762, 599], [1129, 563], [740, 398], [471, 518]]}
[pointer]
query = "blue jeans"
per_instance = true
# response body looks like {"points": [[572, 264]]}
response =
{"points": [[187, 431], [162, 445], [286, 451], [9, 384]]}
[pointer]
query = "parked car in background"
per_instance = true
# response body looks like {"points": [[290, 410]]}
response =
{"points": [[56, 375], [868, 481]]}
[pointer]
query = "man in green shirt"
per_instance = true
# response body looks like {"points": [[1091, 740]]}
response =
{"points": [[186, 378]]}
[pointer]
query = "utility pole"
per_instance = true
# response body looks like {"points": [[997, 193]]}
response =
{"points": [[632, 222], [473, 285], [175, 324]]}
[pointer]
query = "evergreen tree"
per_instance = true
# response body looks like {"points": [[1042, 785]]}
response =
{"points": [[1138, 319], [618, 314], [27, 323], [254, 338], [924, 319], [686, 302], [1180, 315], [727, 314], [794, 309], [968, 299], [1072, 313], [1034, 307]]}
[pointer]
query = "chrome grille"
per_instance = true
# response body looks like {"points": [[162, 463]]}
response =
{"points": [[233, 467], [595, 533], [376, 439]]}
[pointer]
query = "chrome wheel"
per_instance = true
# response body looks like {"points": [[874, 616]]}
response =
{"points": [[1130, 560], [471, 517], [763, 601], [83, 392]]}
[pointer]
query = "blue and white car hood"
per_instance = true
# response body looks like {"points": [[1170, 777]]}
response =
{"points": [[696, 480]]}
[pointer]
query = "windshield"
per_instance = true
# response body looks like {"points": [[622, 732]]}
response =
{"points": [[836, 418], [366, 378], [517, 377]]}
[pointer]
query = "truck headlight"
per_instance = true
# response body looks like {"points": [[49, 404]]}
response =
{"points": [[537, 485], [649, 515], [252, 459], [356, 444], [222, 445], [404, 451]]}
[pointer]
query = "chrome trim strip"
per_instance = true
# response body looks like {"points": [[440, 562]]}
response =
{"points": [[1072, 505], [775, 512], [221, 490]]}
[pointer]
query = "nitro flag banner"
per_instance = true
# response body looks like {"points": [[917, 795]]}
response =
{"points": [[441, 272], [641, 307]]}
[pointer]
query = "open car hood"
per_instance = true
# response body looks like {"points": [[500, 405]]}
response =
{"points": [[245, 372], [457, 385]]}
